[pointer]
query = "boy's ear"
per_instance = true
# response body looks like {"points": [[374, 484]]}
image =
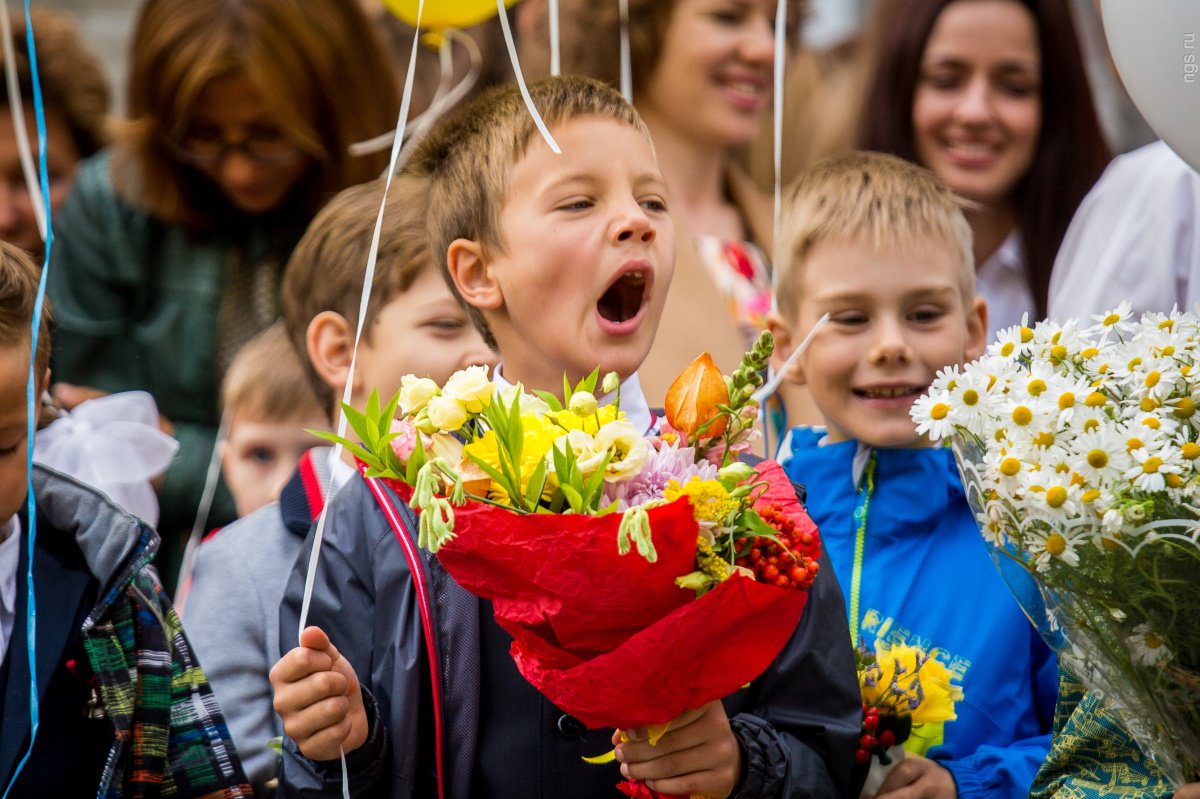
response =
{"points": [[329, 341], [785, 342], [977, 329], [472, 276]]}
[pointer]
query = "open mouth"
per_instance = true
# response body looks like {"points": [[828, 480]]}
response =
{"points": [[623, 300], [890, 392]]}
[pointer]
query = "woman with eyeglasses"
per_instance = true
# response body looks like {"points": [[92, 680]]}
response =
{"points": [[168, 256]]}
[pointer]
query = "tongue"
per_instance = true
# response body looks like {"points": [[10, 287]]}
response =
{"points": [[622, 301]]}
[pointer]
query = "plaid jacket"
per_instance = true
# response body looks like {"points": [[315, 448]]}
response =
{"points": [[170, 738], [1093, 756]]}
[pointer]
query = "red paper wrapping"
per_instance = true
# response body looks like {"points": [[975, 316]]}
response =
{"points": [[610, 638]]}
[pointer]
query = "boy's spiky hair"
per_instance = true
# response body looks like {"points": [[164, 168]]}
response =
{"points": [[469, 157], [869, 198], [19, 277], [326, 270]]}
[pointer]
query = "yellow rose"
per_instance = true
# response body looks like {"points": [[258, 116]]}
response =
{"points": [[471, 388]]}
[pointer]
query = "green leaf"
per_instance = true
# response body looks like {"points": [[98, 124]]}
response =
{"points": [[566, 388], [332, 438], [594, 484], [489, 470], [363, 428], [573, 497], [372, 409], [750, 520], [389, 413], [533, 491], [587, 384], [416, 462], [550, 400]]}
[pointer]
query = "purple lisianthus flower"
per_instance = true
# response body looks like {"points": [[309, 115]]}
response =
{"points": [[667, 462]]}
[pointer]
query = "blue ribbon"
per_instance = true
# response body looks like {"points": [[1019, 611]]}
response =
{"points": [[32, 399]]}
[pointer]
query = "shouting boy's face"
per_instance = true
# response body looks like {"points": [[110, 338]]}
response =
{"points": [[14, 376], [586, 257]]}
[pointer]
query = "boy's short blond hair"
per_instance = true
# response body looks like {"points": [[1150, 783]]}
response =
{"points": [[266, 382], [469, 156], [872, 199], [326, 270], [19, 277]]}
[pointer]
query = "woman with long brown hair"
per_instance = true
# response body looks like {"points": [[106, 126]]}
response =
{"points": [[169, 254], [992, 96]]}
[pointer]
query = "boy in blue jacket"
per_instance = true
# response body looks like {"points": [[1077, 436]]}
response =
{"points": [[563, 262], [883, 248]]}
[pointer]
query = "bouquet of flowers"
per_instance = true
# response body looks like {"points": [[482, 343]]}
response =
{"points": [[904, 692], [1079, 449], [538, 503]]}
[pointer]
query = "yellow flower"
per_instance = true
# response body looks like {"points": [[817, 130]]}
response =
{"points": [[710, 499], [539, 436], [568, 420], [908, 681]]}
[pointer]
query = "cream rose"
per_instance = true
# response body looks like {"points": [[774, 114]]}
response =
{"points": [[588, 456], [415, 392], [471, 388], [626, 446], [446, 413]]}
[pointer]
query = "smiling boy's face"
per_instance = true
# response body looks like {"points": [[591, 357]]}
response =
{"points": [[588, 250], [895, 319], [14, 373]]}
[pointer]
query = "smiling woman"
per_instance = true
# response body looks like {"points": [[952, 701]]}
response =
{"points": [[998, 106], [169, 254]]}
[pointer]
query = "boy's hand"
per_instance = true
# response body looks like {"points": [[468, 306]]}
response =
{"points": [[318, 697], [1189, 791], [917, 777], [699, 754]]}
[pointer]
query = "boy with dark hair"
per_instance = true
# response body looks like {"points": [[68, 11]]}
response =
{"points": [[123, 704], [563, 262], [413, 325]]}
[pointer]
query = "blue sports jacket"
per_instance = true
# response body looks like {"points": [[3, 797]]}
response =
{"points": [[926, 579]]}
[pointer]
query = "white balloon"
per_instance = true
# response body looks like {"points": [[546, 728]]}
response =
{"points": [[1156, 47]]}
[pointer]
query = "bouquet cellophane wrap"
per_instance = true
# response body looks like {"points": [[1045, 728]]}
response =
{"points": [[610, 638], [1094, 614]]}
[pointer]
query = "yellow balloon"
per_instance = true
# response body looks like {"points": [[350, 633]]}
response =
{"points": [[441, 14]]}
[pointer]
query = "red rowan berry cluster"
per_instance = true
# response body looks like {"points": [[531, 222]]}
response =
{"points": [[787, 561], [873, 740]]}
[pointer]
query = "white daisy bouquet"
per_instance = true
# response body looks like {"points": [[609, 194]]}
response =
{"points": [[1080, 452]]}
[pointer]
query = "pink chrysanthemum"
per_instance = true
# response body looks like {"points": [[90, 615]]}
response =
{"points": [[668, 462]]}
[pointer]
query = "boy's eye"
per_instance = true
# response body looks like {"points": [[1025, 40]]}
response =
{"points": [[656, 204], [445, 326], [261, 455], [576, 205], [849, 318], [927, 314], [6, 451]]}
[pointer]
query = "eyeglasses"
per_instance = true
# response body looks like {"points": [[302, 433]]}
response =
{"points": [[207, 148]]}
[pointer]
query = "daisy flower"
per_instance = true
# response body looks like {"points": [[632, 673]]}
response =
{"points": [[934, 414], [1116, 320], [1046, 546], [1146, 647], [1150, 469], [1100, 456]]}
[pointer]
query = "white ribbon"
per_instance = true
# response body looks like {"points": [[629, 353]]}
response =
{"points": [[516, 65], [114, 444], [626, 68], [780, 60]]}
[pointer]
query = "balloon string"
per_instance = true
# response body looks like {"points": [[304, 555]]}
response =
{"points": [[16, 103], [516, 65], [555, 61], [626, 68], [443, 99], [774, 381], [364, 299], [32, 394], [780, 54]]}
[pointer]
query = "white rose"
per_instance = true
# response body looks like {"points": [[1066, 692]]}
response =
{"points": [[588, 456], [446, 413], [626, 446], [415, 392], [471, 388]]}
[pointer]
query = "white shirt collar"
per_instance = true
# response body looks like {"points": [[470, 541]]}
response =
{"points": [[1007, 256], [633, 400], [10, 566]]}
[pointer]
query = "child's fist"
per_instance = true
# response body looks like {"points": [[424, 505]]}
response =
{"points": [[698, 754], [318, 697]]}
